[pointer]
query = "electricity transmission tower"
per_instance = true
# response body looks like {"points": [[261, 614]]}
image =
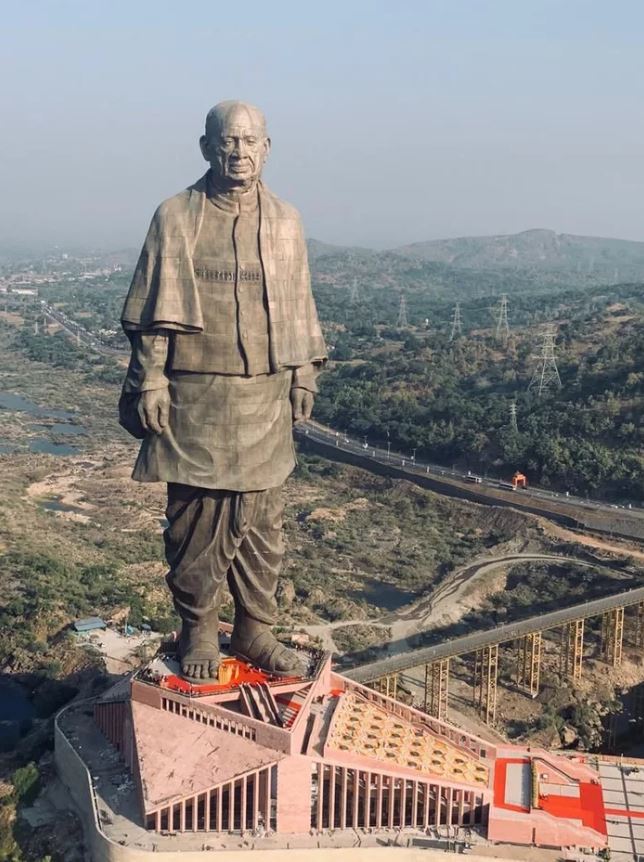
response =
{"points": [[457, 325], [402, 322], [502, 325], [513, 417], [354, 293], [546, 374]]}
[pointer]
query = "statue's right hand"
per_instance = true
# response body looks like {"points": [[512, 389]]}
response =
{"points": [[154, 409]]}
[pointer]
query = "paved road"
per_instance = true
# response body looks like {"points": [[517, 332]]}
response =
{"points": [[431, 604], [78, 331], [470, 643], [569, 510], [409, 465]]}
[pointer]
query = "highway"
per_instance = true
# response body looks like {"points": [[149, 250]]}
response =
{"points": [[78, 331], [470, 643], [626, 521]]}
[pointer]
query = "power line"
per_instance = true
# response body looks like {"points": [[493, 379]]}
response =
{"points": [[402, 322], [502, 324], [546, 374], [354, 292], [457, 325], [513, 417]]}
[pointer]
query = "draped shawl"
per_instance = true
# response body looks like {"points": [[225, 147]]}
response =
{"points": [[164, 295]]}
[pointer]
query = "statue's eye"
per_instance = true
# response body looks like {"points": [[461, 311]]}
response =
{"points": [[251, 141]]}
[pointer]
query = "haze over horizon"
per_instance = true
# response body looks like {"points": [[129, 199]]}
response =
{"points": [[390, 126]]}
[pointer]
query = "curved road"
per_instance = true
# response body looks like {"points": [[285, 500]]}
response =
{"points": [[415, 617]]}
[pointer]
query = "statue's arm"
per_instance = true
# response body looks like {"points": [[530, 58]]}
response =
{"points": [[148, 361], [303, 389], [147, 379], [305, 377]]}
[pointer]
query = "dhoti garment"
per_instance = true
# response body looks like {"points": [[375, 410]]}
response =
{"points": [[215, 534], [236, 432]]}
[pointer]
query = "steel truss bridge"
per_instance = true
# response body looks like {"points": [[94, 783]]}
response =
{"points": [[527, 636]]}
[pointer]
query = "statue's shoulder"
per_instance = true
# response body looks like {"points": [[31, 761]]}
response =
{"points": [[275, 207], [181, 204]]}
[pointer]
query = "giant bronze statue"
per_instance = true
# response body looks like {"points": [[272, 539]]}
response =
{"points": [[226, 346]]}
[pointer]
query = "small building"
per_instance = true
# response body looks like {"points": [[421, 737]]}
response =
{"points": [[89, 624]]}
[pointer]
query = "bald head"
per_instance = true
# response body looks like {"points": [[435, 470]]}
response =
{"points": [[235, 144], [231, 115]]}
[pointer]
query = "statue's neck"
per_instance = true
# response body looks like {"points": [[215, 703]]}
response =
{"points": [[234, 193], [235, 199]]}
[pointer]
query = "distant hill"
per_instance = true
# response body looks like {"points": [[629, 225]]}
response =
{"points": [[535, 260], [318, 249], [612, 260]]}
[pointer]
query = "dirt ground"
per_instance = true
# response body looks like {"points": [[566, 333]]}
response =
{"points": [[122, 652]]}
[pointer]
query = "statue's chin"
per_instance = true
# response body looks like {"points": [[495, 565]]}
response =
{"points": [[235, 183]]}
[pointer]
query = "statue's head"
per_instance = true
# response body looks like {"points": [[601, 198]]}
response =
{"points": [[235, 144]]}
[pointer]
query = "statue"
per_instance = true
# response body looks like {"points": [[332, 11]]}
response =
{"points": [[225, 350]]}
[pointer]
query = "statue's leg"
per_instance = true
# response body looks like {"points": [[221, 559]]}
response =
{"points": [[200, 542], [252, 578]]}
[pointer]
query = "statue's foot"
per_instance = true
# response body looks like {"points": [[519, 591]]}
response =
{"points": [[256, 644], [198, 650]]}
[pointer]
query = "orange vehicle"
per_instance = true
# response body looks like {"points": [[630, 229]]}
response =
{"points": [[519, 481]]}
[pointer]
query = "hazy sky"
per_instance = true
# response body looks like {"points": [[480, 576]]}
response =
{"points": [[392, 122]]}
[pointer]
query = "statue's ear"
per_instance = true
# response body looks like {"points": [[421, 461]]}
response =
{"points": [[267, 147], [203, 146]]}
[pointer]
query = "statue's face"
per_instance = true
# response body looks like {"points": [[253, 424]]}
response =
{"points": [[236, 148]]}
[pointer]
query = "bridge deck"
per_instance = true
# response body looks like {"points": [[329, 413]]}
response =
{"points": [[470, 643]]}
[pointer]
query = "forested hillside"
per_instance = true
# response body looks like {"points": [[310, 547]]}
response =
{"points": [[451, 400]]}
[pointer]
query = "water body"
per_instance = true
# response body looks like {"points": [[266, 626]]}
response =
{"points": [[380, 593], [65, 427], [62, 428], [16, 712], [11, 401], [58, 506], [48, 448]]}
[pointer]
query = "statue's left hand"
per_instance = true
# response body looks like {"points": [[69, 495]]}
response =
{"points": [[302, 404]]}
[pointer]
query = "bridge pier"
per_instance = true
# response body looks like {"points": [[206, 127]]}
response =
{"points": [[639, 625], [572, 650], [387, 685], [486, 670], [612, 636], [529, 663], [437, 688]]}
